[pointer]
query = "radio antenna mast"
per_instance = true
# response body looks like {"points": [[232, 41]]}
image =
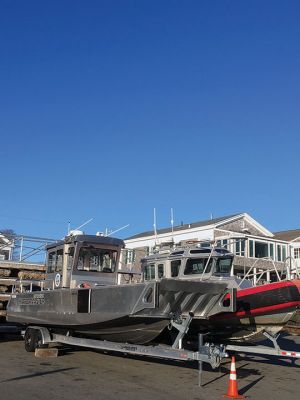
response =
{"points": [[154, 225], [172, 224], [117, 230], [85, 223]]}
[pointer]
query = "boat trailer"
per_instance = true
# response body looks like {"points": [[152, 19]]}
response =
{"points": [[37, 337]]}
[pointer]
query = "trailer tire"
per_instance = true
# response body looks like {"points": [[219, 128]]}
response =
{"points": [[33, 340]]}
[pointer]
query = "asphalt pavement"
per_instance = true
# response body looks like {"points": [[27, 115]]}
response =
{"points": [[92, 375]]}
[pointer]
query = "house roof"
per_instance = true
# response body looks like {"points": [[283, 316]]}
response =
{"points": [[182, 227], [288, 236]]}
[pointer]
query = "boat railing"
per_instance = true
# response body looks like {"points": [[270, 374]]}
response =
{"points": [[292, 268], [23, 286], [256, 276]]}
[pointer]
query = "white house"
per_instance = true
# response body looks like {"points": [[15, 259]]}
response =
{"points": [[293, 237], [251, 242], [6, 247]]}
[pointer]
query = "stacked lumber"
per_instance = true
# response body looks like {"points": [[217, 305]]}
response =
{"points": [[4, 273], [11, 272], [31, 275]]}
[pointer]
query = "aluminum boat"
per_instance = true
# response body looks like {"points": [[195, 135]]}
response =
{"points": [[260, 309], [80, 295]]}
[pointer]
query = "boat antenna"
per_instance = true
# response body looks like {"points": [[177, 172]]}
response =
{"points": [[85, 223], [172, 224], [117, 230], [154, 225]]}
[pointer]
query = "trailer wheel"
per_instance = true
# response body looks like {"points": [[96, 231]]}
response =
{"points": [[33, 340]]}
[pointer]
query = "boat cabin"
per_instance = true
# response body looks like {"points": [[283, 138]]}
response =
{"points": [[82, 261], [188, 263]]}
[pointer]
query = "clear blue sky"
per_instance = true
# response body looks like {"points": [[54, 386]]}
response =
{"points": [[111, 108]]}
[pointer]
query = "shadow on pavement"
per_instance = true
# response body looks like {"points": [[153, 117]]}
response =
{"points": [[37, 374]]}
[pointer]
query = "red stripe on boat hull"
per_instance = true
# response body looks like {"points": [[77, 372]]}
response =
{"points": [[264, 310]]}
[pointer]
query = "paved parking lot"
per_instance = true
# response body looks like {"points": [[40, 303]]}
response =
{"points": [[85, 374]]}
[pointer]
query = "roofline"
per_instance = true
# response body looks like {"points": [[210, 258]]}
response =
{"points": [[296, 239], [105, 240], [186, 227], [251, 220]]}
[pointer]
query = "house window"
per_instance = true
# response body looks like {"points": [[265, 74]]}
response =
{"points": [[261, 250], [272, 251], [297, 253], [240, 247], [281, 252], [129, 256], [222, 243], [251, 248], [149, 273]]}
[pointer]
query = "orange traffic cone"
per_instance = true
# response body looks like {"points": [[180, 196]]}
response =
{"points": [[232, 392]]}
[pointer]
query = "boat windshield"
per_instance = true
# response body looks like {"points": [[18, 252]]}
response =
{"points": [[97, 260], [223, 265], [197, 266]]}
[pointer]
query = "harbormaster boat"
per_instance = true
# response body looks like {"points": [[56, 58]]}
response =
{"points": [[260, 310], [80, 295]]}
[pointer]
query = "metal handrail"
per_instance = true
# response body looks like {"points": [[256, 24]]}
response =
{"points": [[22, 285], [289, 268], [260, 273]]}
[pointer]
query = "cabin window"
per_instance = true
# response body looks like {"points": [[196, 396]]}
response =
{"points": [[205, 244], [149, 272], [51, 262], [59, 260], [175, 266], [55, 261], [223, 265], [197, 266], [160, 271], [97, 260], [70, 257]]}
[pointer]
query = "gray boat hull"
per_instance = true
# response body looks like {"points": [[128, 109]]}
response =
{"points": [[135, 313]]}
